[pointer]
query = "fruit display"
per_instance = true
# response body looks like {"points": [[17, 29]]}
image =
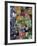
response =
{"points": [[20, 22]]}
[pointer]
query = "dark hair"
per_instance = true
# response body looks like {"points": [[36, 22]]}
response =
{"points": [[22, 9]]}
